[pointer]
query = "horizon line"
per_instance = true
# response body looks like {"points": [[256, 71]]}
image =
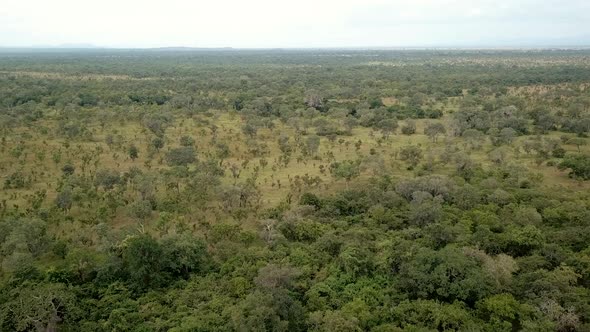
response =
{"points": [[66, 47]]}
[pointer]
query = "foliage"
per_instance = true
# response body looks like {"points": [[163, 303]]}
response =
{"points": [[182, 156], [306, 209], [579, 165], [346, 170]]}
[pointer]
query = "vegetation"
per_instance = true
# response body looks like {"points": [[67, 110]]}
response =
{"points": [[295, 190]]}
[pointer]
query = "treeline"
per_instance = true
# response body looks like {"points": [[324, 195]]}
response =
{"points": [[267, 74]]}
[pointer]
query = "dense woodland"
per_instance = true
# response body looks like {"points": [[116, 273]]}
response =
{"points": [[311, 190]]}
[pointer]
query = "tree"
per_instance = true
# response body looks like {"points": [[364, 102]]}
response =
{"points": [[184, 255], [223, 152], [471, 118], [312, 144], [498, 155], [268, 311], [68, 169], [520, 241], [327, 321], [238, 104], [578, 164], [355, 260], [445, 275], [558, 152], [577, 141], [133, 152], [350, 122], [433, 130], [564, 319], [387, 127], [249, 129], [107, 178], [545, 122], [504, 136], [284, 145], [424, 209], [181, 156], [502, 311], [141, 209], [273, 276], [187, 141], [24, 236], [158, 143], [430, 315], [474, 138], [38, 306], [16, 180], [315, 100], [346, 170], [144, 261], [21, 265], [409, 127], [64, 199], [156, 125], [411, 154]]}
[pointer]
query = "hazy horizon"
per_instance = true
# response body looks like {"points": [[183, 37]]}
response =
{"points": [[301, 24]]}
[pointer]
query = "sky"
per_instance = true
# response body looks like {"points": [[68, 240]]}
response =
{"points": [[295, 23]]}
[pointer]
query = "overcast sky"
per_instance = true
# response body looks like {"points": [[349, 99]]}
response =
{"points": [[294, 23]]}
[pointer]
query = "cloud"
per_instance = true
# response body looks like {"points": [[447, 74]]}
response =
{"points": [[271, 23]]}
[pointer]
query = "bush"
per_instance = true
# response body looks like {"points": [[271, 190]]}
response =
{"points": [[409, 128], [558, 152], [68, 169], [310, 199], [16, 180], [579, 166], [107, 178], [141, 209], [181, 156]]}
